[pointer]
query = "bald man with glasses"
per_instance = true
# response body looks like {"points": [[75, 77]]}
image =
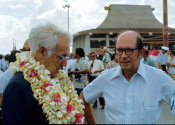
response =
{"points": [[134, 91]]}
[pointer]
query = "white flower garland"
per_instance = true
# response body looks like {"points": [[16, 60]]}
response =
{"points": [[59, 100]]}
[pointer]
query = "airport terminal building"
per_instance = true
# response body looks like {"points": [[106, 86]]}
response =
{"points": [[124, 17]]}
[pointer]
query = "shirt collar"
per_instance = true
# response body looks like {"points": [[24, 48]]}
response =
{"points": [[118, 72], [140, 71]]}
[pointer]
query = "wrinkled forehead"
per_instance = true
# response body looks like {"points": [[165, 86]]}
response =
{"points": [[126, 40], [62, 46]]}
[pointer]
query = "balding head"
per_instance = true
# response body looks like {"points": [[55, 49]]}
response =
{"points": [[26, 46], [133, 36]]}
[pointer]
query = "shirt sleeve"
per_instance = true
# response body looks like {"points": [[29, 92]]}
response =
{"points": [[94, 90], [72, 65], [168, 90]]}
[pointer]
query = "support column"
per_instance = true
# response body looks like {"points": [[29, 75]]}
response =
{"points": [[87, 44], [107, 40], [165, 24]]}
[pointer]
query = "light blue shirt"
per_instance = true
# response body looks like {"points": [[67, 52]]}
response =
{"points": [[4, 79], [135, 102], [162, 59], [1, 72], [3, 65]]}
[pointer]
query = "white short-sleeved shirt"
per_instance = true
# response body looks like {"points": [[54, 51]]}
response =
{"points": [[162, 59], [98, 65], [135, 102], [71, 64]]}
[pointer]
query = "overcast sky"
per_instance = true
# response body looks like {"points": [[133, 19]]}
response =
{"points": [[17, 17]]}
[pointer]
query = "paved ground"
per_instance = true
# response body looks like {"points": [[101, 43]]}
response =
{"points": [[165, 118]]}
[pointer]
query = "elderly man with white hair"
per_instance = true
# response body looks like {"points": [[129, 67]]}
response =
{"points": [[40, 92]]}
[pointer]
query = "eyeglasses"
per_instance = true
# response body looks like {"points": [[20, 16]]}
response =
{"points": [[24, 49], [63, 58], [127, 51]]}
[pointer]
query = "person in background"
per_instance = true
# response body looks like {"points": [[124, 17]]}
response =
{"points": [[5, 78], [113, 63], [80, 71], [7, 59], [70, 62], [96, 67], [171, 65], [3, 64], [70, 66], [7, 75], [148, 60], [162, 58], [86, 57], [106, 57], [134, 91]]}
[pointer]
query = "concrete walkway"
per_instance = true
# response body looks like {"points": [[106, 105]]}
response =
{"points": [[166, 116]]}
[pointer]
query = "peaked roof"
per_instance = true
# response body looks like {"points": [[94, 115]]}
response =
{"points": [[130, 16]]}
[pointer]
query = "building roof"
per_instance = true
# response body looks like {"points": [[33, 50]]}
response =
{"points": [[128, 17]]}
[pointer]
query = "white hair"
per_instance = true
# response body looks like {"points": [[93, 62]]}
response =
{"points": [[47, 36], [106, 48]]}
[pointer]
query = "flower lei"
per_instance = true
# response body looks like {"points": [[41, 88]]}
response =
{"points": [[59, 100]]}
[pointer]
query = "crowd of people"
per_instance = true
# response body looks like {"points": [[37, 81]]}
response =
{"points": [[128, 83]]}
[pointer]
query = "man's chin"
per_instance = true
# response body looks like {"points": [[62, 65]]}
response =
{"points": [[125, 67]]}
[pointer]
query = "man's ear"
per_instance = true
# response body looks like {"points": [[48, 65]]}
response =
{"points": [[42, 50], [141, 53]]}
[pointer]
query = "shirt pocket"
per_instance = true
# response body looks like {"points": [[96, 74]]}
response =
{"points": [[151, 113]]}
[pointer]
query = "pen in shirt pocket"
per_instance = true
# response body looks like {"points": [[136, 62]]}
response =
{"points": [[144, 100]]}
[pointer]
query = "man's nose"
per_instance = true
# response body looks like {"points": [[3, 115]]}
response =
{"points": [[124, 54]]}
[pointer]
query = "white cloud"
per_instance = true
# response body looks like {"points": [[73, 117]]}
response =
{"points": [[84, 15], [18, 6]]}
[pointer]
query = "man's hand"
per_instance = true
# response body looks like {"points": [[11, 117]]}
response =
{"points": [[89, 114]]}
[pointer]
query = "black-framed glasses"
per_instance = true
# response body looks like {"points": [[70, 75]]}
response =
{"points": [[128, 51]]}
